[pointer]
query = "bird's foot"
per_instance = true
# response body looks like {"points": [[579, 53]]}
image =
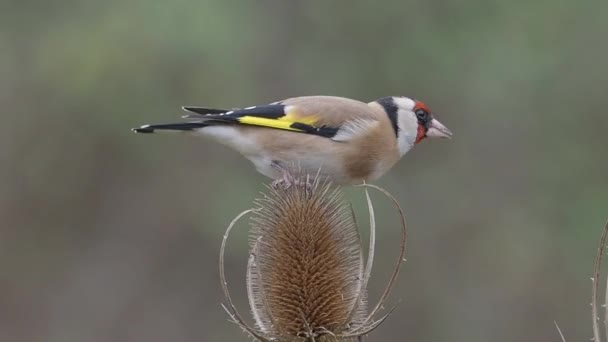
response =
{"points": [[282, 183], [288, 181]]}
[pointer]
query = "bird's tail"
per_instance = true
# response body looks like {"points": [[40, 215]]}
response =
{"points": [[182, 126], [203, 117]]}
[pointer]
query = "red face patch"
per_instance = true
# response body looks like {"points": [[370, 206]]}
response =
{"points": [[421, 105], [423, 114], [420, 134]]}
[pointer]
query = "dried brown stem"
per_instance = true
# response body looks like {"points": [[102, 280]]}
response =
{"points": [[370, 254], [606, 296], [372, 241], [401, 259], [596, 284], [232, 311], [371, 327], [250, 292], [360, 290], [559, 331]]}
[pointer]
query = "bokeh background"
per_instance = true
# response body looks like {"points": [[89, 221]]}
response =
{"points": [[110, 236]]}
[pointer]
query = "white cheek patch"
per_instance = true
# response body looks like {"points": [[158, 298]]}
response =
{"points": [[408, 129]]}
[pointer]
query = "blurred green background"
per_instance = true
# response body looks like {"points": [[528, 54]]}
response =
{"points": [[110, 236]]}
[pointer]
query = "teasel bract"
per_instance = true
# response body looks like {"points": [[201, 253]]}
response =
{"points": [[306, 274]]}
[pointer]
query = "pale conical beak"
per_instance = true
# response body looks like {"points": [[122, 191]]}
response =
{"points": [[438, 130]]}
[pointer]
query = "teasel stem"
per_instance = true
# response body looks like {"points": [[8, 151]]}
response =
{"points": [[595, 288]]}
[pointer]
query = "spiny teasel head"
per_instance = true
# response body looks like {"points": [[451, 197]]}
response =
{"points": [[306, 275], [307, 270]]}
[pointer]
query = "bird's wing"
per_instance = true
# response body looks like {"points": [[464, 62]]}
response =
{"points": [[331, 117]]}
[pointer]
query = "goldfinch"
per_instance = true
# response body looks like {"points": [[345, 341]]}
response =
{"points": [[345, 140]]}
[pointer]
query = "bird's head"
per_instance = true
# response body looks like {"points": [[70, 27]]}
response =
{"points": [[412, 121]]}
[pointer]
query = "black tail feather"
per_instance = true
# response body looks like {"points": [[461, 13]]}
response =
{"points": [[183, 126]]}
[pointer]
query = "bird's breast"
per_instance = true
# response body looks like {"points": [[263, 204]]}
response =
{"points": [[344, 162]]}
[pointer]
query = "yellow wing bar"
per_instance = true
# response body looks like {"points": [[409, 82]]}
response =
{"points": [[280, 123]]}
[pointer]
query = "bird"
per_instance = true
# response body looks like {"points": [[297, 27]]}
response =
{"points": [[346, 140]]}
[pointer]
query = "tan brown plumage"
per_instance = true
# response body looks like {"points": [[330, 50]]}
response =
{"points": [[374, 150], [331, 110]]}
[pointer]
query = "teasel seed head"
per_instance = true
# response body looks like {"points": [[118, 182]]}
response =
{"points": [[306, 275]]}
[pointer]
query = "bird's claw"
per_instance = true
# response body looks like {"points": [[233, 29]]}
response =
{"points": [[288, 181], [282, 183]]}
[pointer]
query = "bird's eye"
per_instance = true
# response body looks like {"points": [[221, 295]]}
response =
{"points": [[422, 114]]}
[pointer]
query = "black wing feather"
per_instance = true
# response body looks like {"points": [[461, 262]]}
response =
{"points": [[204, 110], [213, 116]]}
